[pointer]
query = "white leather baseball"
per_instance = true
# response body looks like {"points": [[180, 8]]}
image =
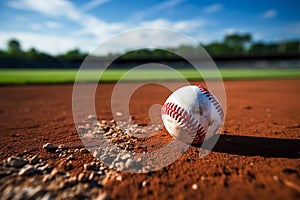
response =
{"points": [[192, 114]]}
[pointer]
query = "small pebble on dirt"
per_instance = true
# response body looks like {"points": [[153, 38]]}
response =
{"points": [[34, 160], [119, 114], [82, 177], [83, 151], [49, 147], [93, 117], [16, 162], [144, 183], [194, 186], [119, 178], [102, 196], [247, 107], [62, 147], [28, 170]]}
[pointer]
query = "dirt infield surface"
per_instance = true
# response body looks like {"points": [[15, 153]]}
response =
{"points": [[256, 157]]}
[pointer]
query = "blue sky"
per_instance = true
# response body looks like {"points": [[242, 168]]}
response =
{"points": [[55, 26]]}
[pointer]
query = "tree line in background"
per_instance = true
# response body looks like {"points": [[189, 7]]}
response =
{"points": [[231, 45]]}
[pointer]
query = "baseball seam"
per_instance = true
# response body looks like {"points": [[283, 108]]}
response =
{"points": [[182, 117], [213, 100]]}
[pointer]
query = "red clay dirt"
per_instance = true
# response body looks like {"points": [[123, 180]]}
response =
{"points": [[256, 157]]}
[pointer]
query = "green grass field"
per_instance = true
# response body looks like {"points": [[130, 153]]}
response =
{"points": [[42, 76]]}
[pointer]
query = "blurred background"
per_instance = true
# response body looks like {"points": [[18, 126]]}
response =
{"points": [[59, 34]]}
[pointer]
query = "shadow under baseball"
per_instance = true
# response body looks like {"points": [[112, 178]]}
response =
{"points": [[256, 146]]}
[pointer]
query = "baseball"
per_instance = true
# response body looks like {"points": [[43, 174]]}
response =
{"points": [[192, 114]]}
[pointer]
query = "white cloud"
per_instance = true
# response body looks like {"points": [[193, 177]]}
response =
{"points": [[93, 4], [58, 8], [52, 24], [93, 30], [55, 8], [187, 26], [205, 36], [268, 14], [143, 38], [212, 8], [159, 7], [59, 44], [167, 4], [100, 28], [45, 43], [288, 31], [48, 24], [35, 26], [229, 31]]}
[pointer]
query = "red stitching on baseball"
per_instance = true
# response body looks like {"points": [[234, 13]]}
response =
{"points": [[183, 118], [213, 99]]}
